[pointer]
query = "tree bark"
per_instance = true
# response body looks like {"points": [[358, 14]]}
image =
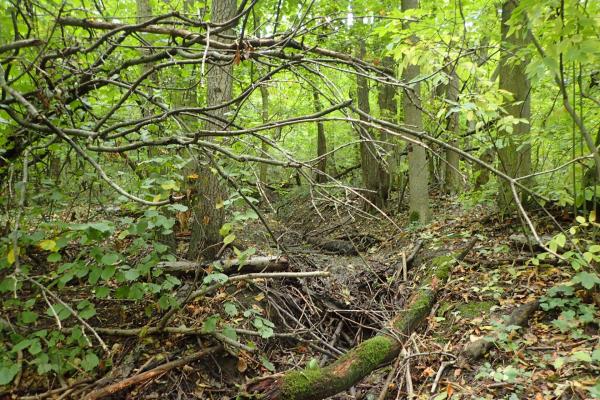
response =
{"points": [[207, 215], [388, 108], [373, 175], [264, 147], [418, 168], [514, 154], [452, 179], [321, 176]]}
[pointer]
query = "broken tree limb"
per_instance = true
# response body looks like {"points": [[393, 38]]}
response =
{"points": [[153, 373], [252, 264], [519, 317], [357, 363]]}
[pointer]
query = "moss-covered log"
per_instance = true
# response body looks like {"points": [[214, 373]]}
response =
{"points": [[479, 348], [357, 363]]}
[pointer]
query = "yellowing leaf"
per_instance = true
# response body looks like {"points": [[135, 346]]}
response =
{"points": [[592, 216], [48, 244], [11, 256]]}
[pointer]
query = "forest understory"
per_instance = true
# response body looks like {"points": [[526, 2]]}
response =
{"points": [[373, 265]]}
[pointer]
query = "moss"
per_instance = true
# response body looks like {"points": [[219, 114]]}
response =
{"points": [[414, 216], [318, 383], [474, 309]]}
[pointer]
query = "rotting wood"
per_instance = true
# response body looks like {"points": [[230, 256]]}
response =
{"points": [[252, 264], [151, 374], [357, 363], [477, 349]]}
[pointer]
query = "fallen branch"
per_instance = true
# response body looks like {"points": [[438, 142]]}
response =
{"points": [[357, 363], [153, 373], [253, 264], [479, 348]]}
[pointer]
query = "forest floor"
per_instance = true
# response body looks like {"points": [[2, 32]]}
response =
{"points": [[316, 319]]}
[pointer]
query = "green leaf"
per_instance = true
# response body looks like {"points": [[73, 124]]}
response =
{"points": [[8, 373], [90, 361], [28, 317], [102, 292], [215, 276], [560, 240], [210, 324], [229, 239], [582, 356], [313, 364], [225, 229], [230, 333], [54, 257], [131, 274], [108, 272], [587, 279], [110, 258], [230, 309], [266, 363], [558, 363]]}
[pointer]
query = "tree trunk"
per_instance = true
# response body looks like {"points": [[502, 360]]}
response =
{"points": [[514, 154], [207, 215], [452, 179], [264, 147], [388, 107], [321, 176], [418, 168], [373, 175]]}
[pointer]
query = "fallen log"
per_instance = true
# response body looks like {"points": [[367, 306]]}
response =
{"points": [[153, 373], [252, 264], [319, 383], [477, 349]]}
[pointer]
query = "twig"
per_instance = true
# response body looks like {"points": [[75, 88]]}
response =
{"points": [[153, 373], [390, 377], [439, 374]]}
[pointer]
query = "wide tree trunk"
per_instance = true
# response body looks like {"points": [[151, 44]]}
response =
{"points": [[514, 154], [207, 216], [321, 176], [418, 168], [374, 176]]}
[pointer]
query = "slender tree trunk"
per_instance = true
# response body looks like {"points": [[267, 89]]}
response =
{"points": [[418, 168], [321, 142], [264, 168], [388, 107], [514, 155], [452, 180], [373, 175], [207, 210]]}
